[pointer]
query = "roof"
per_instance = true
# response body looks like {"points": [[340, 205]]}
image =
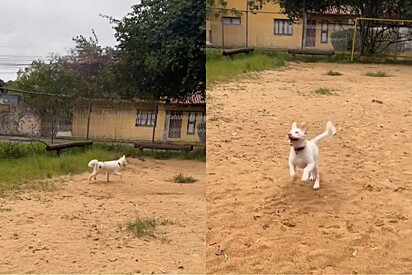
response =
{"points": [[192, 99], [342, 11]]}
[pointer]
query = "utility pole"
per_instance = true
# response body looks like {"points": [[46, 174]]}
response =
{"points": [[304, 25], [247, 23]]}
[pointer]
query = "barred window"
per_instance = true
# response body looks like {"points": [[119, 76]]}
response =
{"points": [[283, 27], [145, 118], [231, 20], [324, 33], [191, 123]]}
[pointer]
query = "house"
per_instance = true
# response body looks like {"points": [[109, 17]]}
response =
{"points": [[171, 121], [270, 28]]}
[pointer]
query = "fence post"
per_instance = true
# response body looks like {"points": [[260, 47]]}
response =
{"points": [[155, 121], [52, 125], [88, 120]]}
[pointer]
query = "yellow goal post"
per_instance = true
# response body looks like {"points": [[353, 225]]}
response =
{"points": [[395, 36]]}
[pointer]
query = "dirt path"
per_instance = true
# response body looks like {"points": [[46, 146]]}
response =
{"points": [[80, 227], [359, 221]]}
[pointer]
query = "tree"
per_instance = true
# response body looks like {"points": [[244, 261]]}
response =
{"points": [[95, 67], [162, 49], [2, 84]]}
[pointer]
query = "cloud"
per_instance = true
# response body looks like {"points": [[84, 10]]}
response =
{"points": [[32, 28]]}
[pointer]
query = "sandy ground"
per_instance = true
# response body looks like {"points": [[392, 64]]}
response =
{"points": [[359, 221], [80, 227]]}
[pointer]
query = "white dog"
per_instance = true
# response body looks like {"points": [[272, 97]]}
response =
{"points": [[113, 166], [304, 153]]}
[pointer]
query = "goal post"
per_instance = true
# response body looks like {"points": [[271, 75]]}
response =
{"points": [[385, 37]]}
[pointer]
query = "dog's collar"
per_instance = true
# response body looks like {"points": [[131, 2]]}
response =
{"points": [[297, 150]]}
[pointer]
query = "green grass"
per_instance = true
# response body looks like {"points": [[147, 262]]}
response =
{"points": [[323, 91], [26, 166], [145, 227], [220, 68], [197, 154], [377, 74], [28, 171], [333, 73], [182, 179]]}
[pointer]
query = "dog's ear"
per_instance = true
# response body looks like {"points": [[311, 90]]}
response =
{"points": [[303, 127], [294, 125]]}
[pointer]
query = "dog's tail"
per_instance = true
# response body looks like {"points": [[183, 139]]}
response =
{"points": [[93, 162], [329, 132]]}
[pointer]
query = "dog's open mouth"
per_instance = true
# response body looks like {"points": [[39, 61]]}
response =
{"points": [[293, 139]]}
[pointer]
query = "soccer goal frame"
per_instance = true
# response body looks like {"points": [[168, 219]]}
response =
{"points": [[358, 19]]}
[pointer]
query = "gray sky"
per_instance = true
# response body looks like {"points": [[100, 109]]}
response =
{"points": [[32, 29]]}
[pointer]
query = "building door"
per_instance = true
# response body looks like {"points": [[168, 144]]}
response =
{"points": [[175, 124], [310, 33]]}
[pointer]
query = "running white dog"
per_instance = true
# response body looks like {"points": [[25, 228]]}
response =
{"points": [[113, 166], [304, 153]]}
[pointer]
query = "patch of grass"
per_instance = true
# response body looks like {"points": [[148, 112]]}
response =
{"points": [[28, 172], [377, 74], [182, 179], [15, 150], [323, 91], [145, 227], [333, 73], [25, 166], [220, 68], [121, 149]]}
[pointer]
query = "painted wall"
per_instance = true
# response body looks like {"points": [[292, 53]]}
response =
{"points": [[261, 28], [109, 123]]}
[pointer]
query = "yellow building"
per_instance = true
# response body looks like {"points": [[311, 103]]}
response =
{"points": [[270, 28], [169, 122]]}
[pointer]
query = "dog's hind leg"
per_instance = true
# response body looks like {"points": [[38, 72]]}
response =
{"points": [[307, 171], [92, 175], [313, 175]]}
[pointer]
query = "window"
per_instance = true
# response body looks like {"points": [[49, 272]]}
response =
{"points": [[324, 32], [283, 27], [191, 123], [145, 118], [338, 26], [231, 20]]}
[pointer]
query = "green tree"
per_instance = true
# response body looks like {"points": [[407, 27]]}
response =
{"points": [[2, 84], [162, 49], [95, 67]]}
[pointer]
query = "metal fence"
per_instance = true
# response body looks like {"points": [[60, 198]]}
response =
{"points": [[51, 118]]}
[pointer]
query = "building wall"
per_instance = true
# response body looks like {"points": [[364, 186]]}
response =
{"points": [[120, 123], [261, 28]]}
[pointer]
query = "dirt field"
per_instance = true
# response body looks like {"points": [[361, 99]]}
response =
{"points": [[80, 227], [359, 221]]}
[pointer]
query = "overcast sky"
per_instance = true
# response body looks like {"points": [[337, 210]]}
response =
{"points": [[32, 29]]}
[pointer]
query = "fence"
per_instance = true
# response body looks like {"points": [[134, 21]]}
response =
{"points": [[38, 116]]}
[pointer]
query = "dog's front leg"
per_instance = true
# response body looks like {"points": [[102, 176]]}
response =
{"points": [[107, 176], [307, 171], [292, 170], [118, 174]]}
